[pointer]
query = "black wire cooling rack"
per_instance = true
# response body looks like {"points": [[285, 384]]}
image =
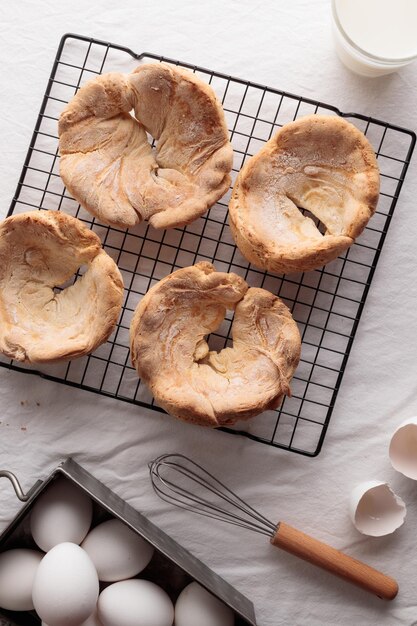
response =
{"points": [[327, 303]]}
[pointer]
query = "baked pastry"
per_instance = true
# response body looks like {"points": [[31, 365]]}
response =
{"points": [[319, 163], [170, 353], [109, 166], [39, 251]]}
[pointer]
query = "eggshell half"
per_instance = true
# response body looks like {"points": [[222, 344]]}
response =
{"points": [[65, 589], [117, 551], [195, 605], [135, 603], [17, 574], [403, 448], [62, 513], [375, 510]]}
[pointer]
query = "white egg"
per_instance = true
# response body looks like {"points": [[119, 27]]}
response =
{"points": [[17, 573], [375, 510], [62, 513], [65, 589], [135, 603], [117, 551], [90, 621], [197, 607]]}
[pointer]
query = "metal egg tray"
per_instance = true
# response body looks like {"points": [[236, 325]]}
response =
{"points": [[172, 567]]}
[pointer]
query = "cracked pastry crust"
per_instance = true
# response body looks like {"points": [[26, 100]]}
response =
{"points": [[109, 166], [39, 251], [170, 353], [319, 163]]}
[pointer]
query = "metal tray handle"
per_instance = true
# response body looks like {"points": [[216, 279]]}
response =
{"points": [[24, 497]]}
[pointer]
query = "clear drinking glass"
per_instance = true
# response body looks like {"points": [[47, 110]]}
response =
{"points": [[375, 37]]}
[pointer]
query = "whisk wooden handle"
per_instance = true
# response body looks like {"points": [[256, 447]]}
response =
{"points": [[305, 547]]}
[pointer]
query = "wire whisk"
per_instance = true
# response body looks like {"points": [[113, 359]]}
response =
{"points": [[186, 484]]}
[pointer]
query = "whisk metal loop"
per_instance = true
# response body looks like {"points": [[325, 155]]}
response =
{"points": [[165, 471]]}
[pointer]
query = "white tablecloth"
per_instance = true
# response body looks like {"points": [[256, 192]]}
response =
{"points": [[287, 45]]}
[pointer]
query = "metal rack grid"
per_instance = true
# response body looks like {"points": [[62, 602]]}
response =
{"points": [[326, 303]]}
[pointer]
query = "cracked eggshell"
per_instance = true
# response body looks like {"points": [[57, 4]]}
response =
{"points": [[403, 448], [375, 510]]}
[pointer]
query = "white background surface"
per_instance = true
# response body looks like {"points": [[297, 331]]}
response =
{"points": [[286, 45]]}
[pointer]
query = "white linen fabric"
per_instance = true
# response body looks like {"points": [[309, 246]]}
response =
{"points": [[287, 45]]}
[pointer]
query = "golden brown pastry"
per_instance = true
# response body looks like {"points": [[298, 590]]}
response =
{"points": [[319, 163], [169, 349], [39, 251], [107, 162]]}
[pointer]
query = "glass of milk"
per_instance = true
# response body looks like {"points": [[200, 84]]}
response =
{"points": [[375, 37]]}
